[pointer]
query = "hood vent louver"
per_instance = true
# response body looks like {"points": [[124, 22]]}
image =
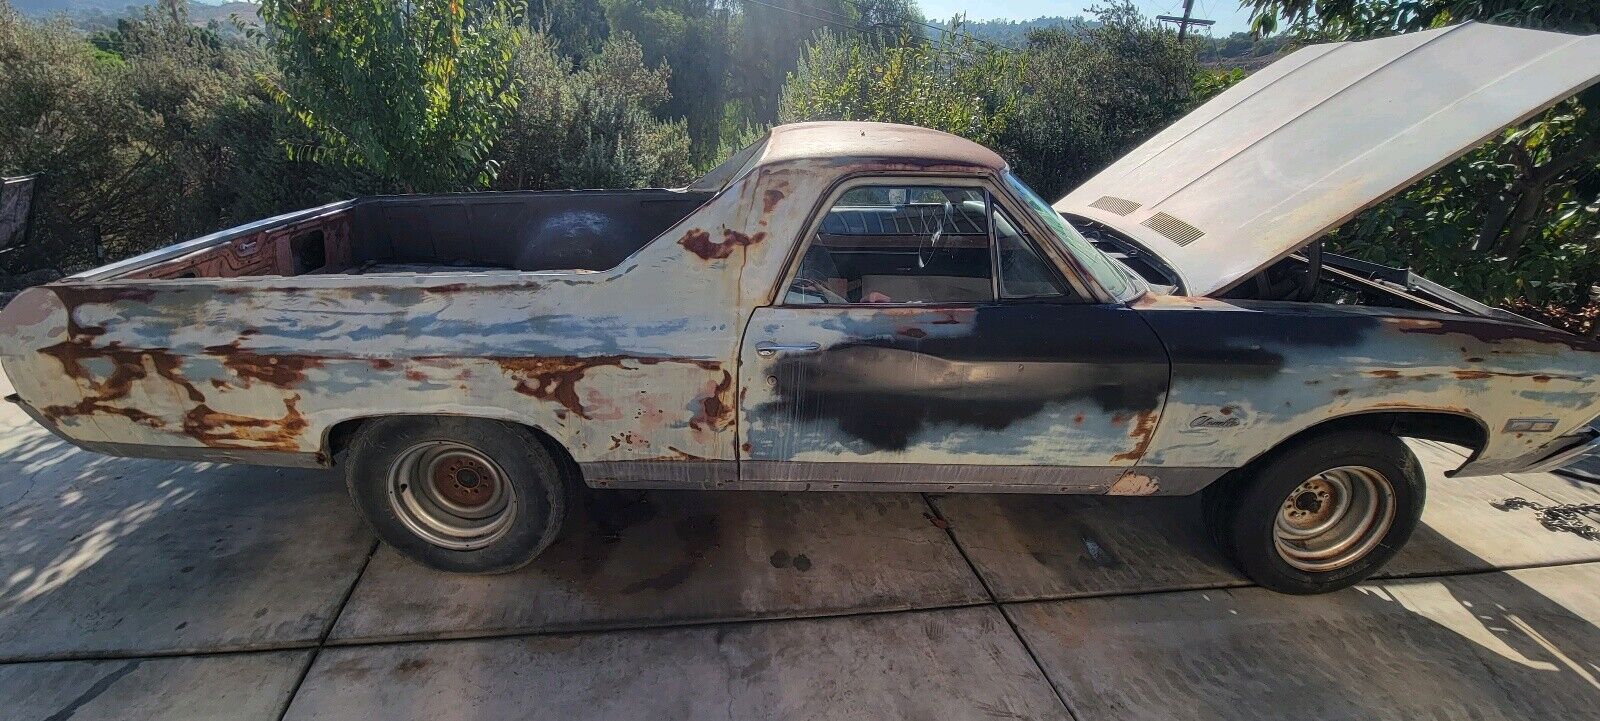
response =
{"points": [[1113, 204], [1173, 229]]}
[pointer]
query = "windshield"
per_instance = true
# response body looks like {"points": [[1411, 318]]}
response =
{"points": [[1106, 271]]}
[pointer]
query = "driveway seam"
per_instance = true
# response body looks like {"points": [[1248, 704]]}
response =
{"points": [[496, 636], [995, 602], [322, 640]]}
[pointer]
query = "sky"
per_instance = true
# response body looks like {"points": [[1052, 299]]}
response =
{"points": [[1229, 17]]}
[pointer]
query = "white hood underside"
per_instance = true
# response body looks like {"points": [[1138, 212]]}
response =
{"points": [[1301, 146]]}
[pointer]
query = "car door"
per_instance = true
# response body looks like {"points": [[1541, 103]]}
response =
{"points": [[924, 341]]}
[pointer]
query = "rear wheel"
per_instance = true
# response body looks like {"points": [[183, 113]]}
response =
{"points": [[1322, 515], [457, 494]]}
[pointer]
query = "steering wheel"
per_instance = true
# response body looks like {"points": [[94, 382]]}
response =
{"points": [[809, 286], [938, 234]]}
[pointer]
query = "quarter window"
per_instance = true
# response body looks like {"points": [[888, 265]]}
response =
{"points": [[1023, 272]]}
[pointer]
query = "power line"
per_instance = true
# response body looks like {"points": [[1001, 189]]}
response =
{"points": [[1184, 22]]}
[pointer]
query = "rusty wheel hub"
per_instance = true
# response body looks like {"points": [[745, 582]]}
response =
{"points": [[451, 494], [464, 480], [1334, 518]]}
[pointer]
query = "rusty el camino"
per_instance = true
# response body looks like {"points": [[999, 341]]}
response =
{"points": [[857, 306]]}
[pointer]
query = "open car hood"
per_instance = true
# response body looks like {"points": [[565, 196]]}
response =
{"points": [[1301, 146]]}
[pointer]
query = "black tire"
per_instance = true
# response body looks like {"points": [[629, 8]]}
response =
{"points": [[493, 464], [1217, 502], [1244, 514]]}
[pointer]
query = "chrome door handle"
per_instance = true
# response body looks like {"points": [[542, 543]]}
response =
{"points": [[767, 348]]}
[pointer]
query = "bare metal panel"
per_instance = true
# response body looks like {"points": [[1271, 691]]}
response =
{"points": [[1298, 148]]}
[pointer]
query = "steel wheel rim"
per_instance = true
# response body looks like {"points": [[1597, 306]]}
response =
{"points": [[1334, 518], [451, 494]]}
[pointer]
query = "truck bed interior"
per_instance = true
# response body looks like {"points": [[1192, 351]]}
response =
{"points": [[524, 231]]}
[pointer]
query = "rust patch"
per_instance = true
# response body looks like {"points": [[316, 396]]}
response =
{"points": [[228, 430], [911, 332], [771, 199], [629, 439], [127, 367], [209, 427], [699, 242], [675, 454], [381, 364], [716, 413], [283, 371], [1134, 484], [1143, 432], [1413, 323], [1341, 391], [1385, 374], [1475, 375], [556, 378]]}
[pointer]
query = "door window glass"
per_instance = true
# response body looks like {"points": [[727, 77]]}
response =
{"points": [[1023, 273], [899, 244]]}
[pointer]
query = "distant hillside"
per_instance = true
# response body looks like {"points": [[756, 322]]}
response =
{"points": [[1014, 33], [98, 14], [71, 7]]}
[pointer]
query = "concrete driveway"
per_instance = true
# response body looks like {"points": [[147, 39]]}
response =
{"points": [[151, 590]]}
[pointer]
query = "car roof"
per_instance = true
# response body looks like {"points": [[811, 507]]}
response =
{"points": [[873, 143]]}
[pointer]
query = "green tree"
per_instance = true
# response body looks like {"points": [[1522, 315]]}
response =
{"points": [[412, 92], [1513, 220], [578, 27], [694, 38], [1091, 95], [590, 124], [151, 133], [953, 83], [1361, 19]]}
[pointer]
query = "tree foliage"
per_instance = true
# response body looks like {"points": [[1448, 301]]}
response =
{"points": [[152, 134], [953, 83], [413, 92], [1362, 19], [1090, 96], [590, 123]]}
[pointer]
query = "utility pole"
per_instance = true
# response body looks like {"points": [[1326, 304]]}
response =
{"points": [[1184, 22]]}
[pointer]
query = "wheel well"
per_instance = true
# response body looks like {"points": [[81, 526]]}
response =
{"points": [[1461, 430], [340, 434]]}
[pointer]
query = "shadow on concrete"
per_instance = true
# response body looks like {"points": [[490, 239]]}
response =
{"points": [[1517, 645], [110, 556]]}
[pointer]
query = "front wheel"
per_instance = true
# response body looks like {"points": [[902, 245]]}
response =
{"points": [[1322, 515], [457, 494]]}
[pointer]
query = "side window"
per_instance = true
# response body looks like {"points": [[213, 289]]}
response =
{"points": [[1023, 272], [899, 244]]}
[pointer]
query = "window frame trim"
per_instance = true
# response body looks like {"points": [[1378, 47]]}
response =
{"points": [[1064, 287], [1087, 293]]}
